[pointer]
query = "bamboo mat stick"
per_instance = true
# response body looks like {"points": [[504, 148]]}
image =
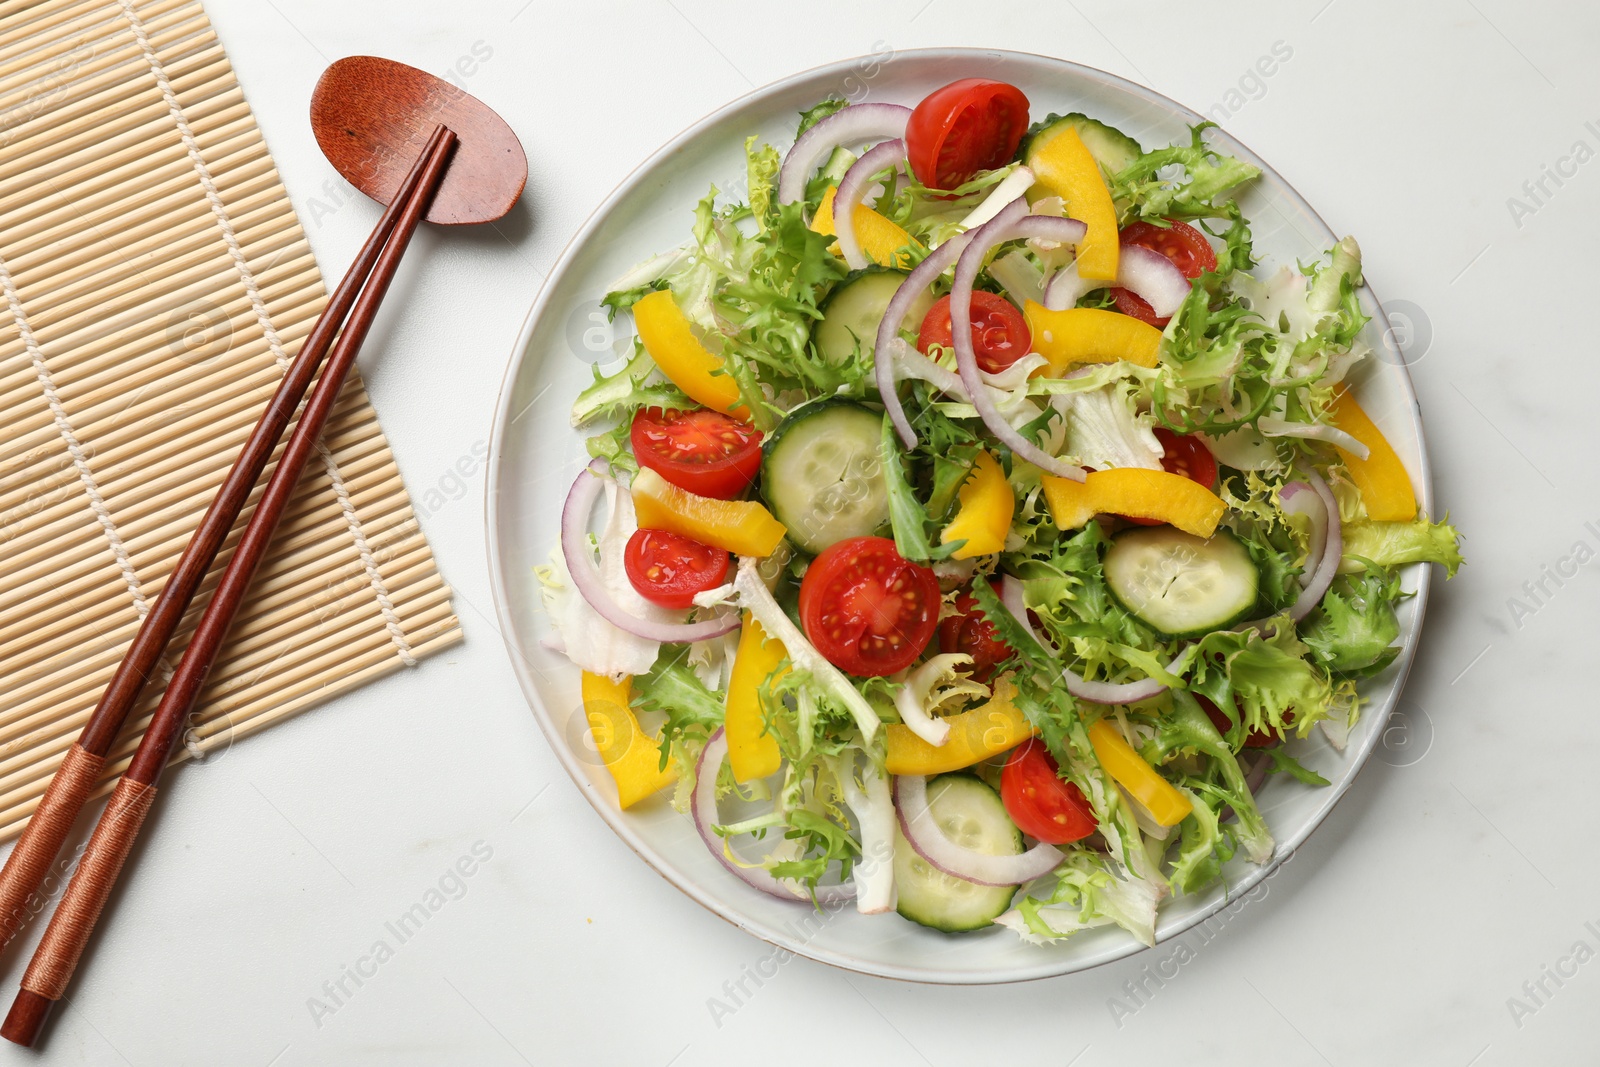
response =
{"points": [[98, 183]]}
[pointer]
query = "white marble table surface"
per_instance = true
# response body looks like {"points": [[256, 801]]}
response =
{"points": [[1455, 140]]}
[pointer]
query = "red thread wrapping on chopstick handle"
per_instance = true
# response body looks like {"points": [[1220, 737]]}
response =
{"points": [[58, 953], [29, 863]]}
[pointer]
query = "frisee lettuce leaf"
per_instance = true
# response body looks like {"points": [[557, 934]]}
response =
{"points": [[1263, 682], [1393, 544], [1207, 175], [1283, 763], [761, 176], [619, 395], [1241, 349], [1088, 893], [671, 687], [1188, 730], [1203, 847], [907, 515], [1354, 630], [817, 112]]}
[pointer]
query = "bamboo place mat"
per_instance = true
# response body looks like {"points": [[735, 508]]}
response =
{"points": [[156, 283]]}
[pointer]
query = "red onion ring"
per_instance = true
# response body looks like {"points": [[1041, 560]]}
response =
{"points": [[894, 316], [1332, 552], [1011, 223], [1298, 498], [924, 836], [586, 576], [703, 807], [855, 124], [1066, 287], [1153, 278], [1149, 275], [1111, 692], [1011, 597], [1077, 685], [852, 187]]}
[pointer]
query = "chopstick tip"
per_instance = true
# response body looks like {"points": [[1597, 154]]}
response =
{"points": [[26, 1018]]}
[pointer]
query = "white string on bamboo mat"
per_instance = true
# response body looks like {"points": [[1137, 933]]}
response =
{"points": [[64, 426], [358, 535]]}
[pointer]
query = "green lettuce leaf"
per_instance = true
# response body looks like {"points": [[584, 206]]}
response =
{"points": [[761, 171], [1054, 712], [1087, 893], [817, 112], [1203, 846], [1105, 428], [1068, 592], [633, 387], [616, 448], [1270, 536], [1283, 763], [1207, 175], [907, 515], [1354, 630], [753, 297], [1241, 349], [950, 448], [692, 711], [1266, 683], [1188, 730], [1391, 544]]}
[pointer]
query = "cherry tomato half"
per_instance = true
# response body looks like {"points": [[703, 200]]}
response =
{"points": [[1187, 455], [1000, 335], [1255, 739], [969, 125], [1038, 801], [669, 569], [973, 634], [706, 452], [866, 608], [1184, 245]]}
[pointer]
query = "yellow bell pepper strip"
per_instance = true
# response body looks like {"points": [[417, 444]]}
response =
{"points": [[632, 757], [690, 365], [1138, 494], [752, 751], [1381, 477], [1089, 335], [976, 734], [1129, 770], [1063, 167], [880, 239], [984, 518], [743, 527]]}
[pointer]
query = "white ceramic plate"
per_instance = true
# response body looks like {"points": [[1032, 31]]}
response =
{"points": [[536, 456]]}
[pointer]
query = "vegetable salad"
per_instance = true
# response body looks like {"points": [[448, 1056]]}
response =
{"points": [[982, 525]]}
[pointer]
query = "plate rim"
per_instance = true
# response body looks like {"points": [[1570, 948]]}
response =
{"points": [[1051, 966]]}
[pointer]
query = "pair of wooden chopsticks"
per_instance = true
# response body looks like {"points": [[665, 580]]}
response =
{"points": [[353, 306]]}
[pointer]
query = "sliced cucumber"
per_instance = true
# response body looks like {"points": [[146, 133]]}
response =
{"points": [[1111, 148], [1182, 585], [822, 474], [971, 814], [853, 311]]}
